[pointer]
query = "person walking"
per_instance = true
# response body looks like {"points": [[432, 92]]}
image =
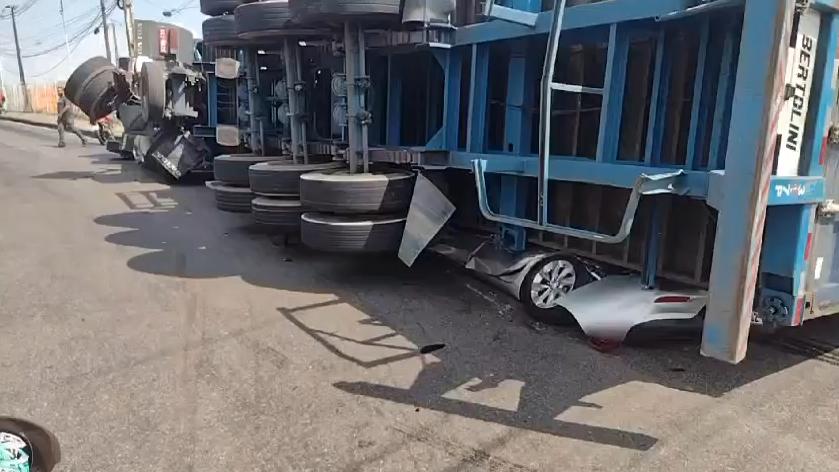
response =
{"points": [[65, 119]]}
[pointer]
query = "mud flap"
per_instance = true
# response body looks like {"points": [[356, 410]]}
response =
{"points": [[429, 211], [177, 152]]}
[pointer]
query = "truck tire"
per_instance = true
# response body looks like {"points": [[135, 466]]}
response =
{"points": [[91, 87], [131, 117], [113, 146], [80, 77], [279, 214], [231, 198], [96, 100], [342, 192], [220, 31], [263, 19], [337, 10], [352, 234], [282, 178], [152, 92], [233, 168], [218, 7]]}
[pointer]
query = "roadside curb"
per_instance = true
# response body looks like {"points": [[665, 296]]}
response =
{"points": [[41, 124]]}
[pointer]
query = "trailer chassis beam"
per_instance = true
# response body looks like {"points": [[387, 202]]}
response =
{"points": [[758, 99]]}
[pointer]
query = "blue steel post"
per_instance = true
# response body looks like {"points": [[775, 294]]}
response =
{"points": [[758, 98], [699, 107], [658, 101], [725, 95], [613, 89], [513, 188], [476, 127]]}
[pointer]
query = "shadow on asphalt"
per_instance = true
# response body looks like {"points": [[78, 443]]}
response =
{"points": [[479, 345], [120, 170]]}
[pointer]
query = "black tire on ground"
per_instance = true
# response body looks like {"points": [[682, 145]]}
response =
{"points": [[79, 78], [220, 31], [571, 275], [261, 19], [278, 214], [43, 447], [153, 92], [231, 198], [283, 177], [114, 146], [233, 168], [218, 7], [352, 234], [335, 10], [342, 192], [131, 116]]}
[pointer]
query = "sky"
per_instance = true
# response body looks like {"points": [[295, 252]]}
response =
{"points": [[40, 29]]}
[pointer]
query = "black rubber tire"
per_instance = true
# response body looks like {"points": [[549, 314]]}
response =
{"points": [[352, 234], [113, 146], [220, 31], [91, 87], [283, 177], [278, 214], [218, 7], [43, 447], [152, 92], [131, 117], [557, 316], [342, 192], [233, 168], [79, 79], [313, 11], [97, 90], [262, 19], [231, 198]]}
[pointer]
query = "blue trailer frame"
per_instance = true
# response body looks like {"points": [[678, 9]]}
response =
{"points": [[771, 233], [765, 221]]}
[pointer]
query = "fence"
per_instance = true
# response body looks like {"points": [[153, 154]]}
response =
{"points": [[42, 97]]}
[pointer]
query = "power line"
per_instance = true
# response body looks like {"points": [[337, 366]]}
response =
{"points": [[91, 25], [72, 50]]}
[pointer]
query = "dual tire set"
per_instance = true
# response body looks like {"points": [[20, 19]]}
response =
{"points": [[356, 213], [276, 185], [231, 185], [237, 22], [333, 210]]}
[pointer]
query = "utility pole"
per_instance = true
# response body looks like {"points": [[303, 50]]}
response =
{"points": [[116, 43], [64, 27], [128, 9], [26, 105], [105, 30]]}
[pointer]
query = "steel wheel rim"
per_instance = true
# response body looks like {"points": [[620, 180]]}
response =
{"points": [[552, 282]]}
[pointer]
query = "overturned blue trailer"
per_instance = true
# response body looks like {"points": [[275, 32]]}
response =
{"points": [[624, 160]]}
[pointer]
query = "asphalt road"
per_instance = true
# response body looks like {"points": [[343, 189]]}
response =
{"points": [[149, 331]]}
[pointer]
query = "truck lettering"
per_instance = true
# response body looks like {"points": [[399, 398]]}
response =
{"points": [[794, 134], [793, 137], [790, 190]]}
